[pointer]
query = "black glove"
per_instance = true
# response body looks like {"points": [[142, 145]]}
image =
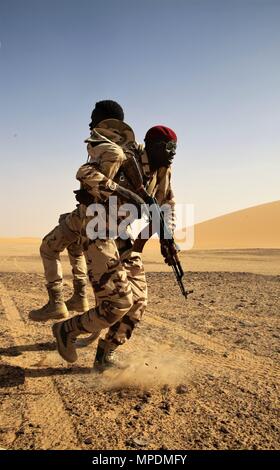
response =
{"points": [[83, 197]]}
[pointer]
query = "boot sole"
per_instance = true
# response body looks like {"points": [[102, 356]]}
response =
{"points": [[60, 346], [60, 316]]}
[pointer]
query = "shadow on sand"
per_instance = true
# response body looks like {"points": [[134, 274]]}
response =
{"points": [[18, 350], [13, 376]]}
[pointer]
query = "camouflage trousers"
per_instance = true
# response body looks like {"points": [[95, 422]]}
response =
{"points": [[120, 289], [65, 235], [119, 284]]}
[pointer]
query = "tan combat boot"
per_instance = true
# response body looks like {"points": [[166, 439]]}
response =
{"points": [[105, 357], [65, 333], [78, 302], [55, 309]]}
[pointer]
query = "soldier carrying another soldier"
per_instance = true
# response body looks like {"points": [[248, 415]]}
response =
{"points": [[116, 271]]}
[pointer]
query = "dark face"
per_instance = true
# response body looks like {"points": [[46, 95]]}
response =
{"points": [[160, 154], [96, 118]]}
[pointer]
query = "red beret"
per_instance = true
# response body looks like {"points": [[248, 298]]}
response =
{"points": [[160, 133]]}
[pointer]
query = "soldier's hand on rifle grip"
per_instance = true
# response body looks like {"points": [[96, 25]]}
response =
{"points": [[168, 252], [83, 197]]}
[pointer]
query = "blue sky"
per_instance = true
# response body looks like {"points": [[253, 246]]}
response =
{"points": [[207, 68]]}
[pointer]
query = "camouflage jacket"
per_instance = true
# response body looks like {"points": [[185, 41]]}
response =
{"points": [[108, 148], [158, 184]]}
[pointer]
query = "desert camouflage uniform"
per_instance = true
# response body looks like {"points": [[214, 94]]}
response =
{"points": [[119, 284], [65, 235]]}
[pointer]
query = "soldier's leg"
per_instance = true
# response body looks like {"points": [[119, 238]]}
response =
{"points": [[77, 261], [78, 301], [52, 245], [67, 232], [113, 294], [122, 330]]}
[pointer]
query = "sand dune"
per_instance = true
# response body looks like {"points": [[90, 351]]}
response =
{"points": [[255, 227]]}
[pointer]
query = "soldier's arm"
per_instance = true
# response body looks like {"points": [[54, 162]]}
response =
{"points": [[165, 197], [97, 175]]}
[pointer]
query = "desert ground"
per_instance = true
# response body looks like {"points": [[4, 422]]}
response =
{"points": [[197, 374]]}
